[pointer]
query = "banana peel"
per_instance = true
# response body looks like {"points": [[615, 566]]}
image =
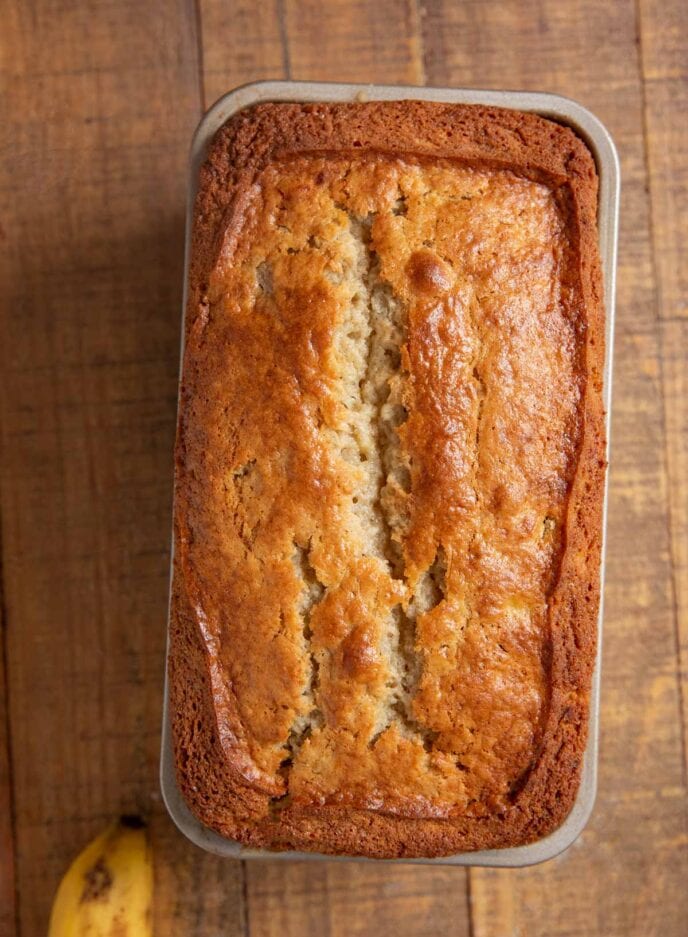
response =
{"points": [[108, 889]]}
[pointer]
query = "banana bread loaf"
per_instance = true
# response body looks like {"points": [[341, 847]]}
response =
{"points": [[390, 462]]}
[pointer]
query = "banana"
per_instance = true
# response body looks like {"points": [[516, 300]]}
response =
{"points": [[108, 889]]}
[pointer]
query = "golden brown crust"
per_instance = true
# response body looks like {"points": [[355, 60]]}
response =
{"points": [[390, 466]]}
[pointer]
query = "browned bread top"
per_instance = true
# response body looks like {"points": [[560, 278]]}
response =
{"points": [[389, 477]]}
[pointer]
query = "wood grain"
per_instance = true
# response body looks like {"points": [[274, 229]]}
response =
{"points": [[588, 51], [242, 42], [664, 47], [7, 885], [675, 380], [356, 40], [196, 894], [100, 104], [101, 99], [664, 58], [586, 891], [296, 899]]}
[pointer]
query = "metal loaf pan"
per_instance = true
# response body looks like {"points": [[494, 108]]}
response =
{"points": [[587, 126]]}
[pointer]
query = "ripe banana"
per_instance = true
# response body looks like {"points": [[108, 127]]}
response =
{"points": [[108, 889]]}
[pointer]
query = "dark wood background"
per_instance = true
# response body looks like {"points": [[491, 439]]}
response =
{"points": [[99, 100]]}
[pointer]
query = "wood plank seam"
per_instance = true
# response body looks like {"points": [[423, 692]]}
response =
{"points": [[469, 902], [200, 78], [4, 682], [675, 569], [654, 272], [284, 39], [417, 14], [245, 919], [646, 159]]}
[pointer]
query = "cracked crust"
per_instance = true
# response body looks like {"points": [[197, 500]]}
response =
{"points": [[390, 462]]}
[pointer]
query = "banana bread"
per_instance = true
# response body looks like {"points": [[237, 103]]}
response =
{"points": [[389, 477]]}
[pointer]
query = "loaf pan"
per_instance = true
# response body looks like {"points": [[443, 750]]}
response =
{"points": [[587, 126]]}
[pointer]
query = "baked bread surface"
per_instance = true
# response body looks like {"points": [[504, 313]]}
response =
{"points": [[390, 463]]}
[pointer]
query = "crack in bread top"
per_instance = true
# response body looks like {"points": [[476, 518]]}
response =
{"points": [[380, 425]]}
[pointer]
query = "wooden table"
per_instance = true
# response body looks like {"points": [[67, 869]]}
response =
{"points": [[99, 102]]}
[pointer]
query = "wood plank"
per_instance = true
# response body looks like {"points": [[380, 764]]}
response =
{"points": [[664, 56], [354, 40], [242, 42], [586, 892], [7, 885], [360, 41], [100, 103], [196, 894], [588, 51], [290, 899], [664, 49], [675, 383]]}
